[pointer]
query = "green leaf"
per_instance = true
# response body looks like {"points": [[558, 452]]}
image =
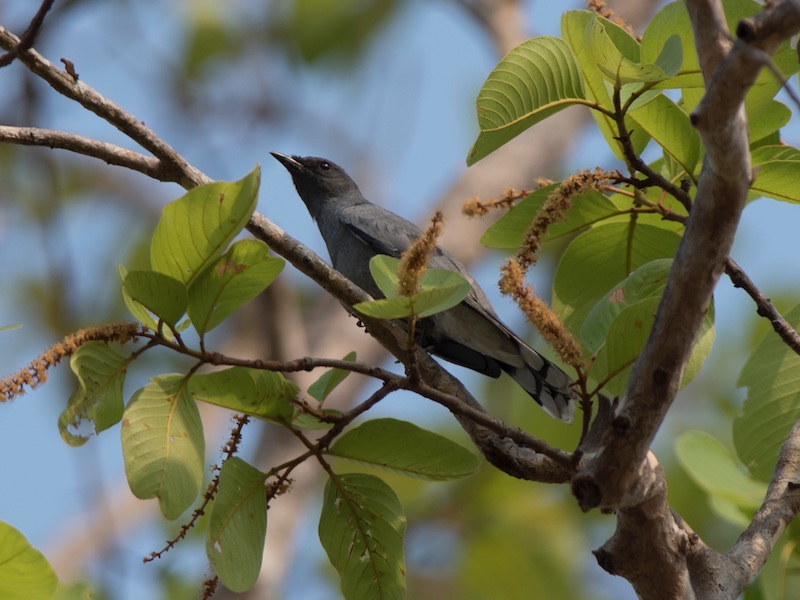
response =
{"points": [[422, 304], [627, 337], [772, 378], [535, 80], [710, 465], [196, 228], [162, 295], [767, 121], [25, 573], [670, 127], [588, 207], [574, 27], [322, 387], [137, 310], [384, 271], [618, 68], [440, 289], [101, 374], [10, 327], [404, 448], [361, 527], [263, 394], [237, 526], [776, 168], [599, 259], [242, 273], [163, 444], [648, 281]]}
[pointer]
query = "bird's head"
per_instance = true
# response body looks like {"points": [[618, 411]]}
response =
{"points": [[319, 181]]}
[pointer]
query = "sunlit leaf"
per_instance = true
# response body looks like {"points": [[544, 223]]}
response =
{"points": [[195, 229], [25, 573], [407, 449], [238, 276], [256, 392], [237, 526], [440, 289], [534, 81], [163, 444], [162, 295], [101, 374]]}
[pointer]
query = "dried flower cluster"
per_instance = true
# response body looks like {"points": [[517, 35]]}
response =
{"points": [[512, 283], [414, 261], [474, 207]]}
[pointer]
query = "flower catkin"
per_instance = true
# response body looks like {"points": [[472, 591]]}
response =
{"points": [[414, 261], [35, 373]]}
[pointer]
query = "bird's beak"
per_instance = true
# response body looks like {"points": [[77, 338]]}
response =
{"points": [[291, 164]]}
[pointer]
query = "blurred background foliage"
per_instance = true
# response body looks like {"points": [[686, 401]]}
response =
{"points": [[387, 89]]}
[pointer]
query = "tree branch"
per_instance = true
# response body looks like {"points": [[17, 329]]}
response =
{"points": [[611, 480]]}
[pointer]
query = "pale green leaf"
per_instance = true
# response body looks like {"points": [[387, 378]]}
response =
{"points": [[238, 276], [196, 228], [384, 271], [25, 573], [136, 309], [101, 374], [162, 295], [237, 526], [772, 378], [322, 387], [574, 25], [440, 289], [669, 126], [775, 169], [263, 394], [163, 444], [362, 527], [767, 121], [616, 67], [535, 80], [407, 449], [712, 467]]}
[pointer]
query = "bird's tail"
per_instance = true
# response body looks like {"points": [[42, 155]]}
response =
{"points": [[548, 384]]}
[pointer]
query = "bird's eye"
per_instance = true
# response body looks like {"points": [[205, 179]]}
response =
{"points": [[325, 166]]}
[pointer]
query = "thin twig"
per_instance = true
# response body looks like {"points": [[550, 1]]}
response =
{"points": [[29, 37]]}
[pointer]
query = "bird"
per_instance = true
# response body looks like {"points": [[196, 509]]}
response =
{"points": [[470, 334]]}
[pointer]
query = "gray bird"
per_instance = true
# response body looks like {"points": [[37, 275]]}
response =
{"points": [[469, 334]]}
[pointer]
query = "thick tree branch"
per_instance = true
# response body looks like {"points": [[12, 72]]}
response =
{"points": [[652, 547], [611, 481]]}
